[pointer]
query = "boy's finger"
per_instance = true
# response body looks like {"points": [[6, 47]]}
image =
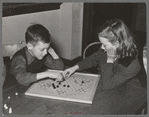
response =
{"points": [[60, 77]]}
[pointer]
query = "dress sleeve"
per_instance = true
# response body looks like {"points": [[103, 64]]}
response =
{"points": [[18, 69], [56, 64], [113, 77], [91, 61]]}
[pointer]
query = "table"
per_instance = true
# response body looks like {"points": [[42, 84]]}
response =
{"points": [[125, 100]]}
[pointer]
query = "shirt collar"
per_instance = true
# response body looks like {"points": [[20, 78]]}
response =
{"points": [[29, 57]]}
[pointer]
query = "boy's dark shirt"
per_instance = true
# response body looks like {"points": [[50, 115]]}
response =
{"points": [[24, 67]]}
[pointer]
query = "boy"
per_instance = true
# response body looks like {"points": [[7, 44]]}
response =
{"points": [[27, 64]]}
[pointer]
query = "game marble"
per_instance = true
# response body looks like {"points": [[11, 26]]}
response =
{"points": [[80, 87]]}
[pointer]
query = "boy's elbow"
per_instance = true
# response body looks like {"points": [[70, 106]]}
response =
{"points": [[23, 83], [61, 66]]}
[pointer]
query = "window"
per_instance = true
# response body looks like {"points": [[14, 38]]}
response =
{"points": [[10, 9]]}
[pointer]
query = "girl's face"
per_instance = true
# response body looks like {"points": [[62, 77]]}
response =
{"points": [[107, 45], [39, 50]]}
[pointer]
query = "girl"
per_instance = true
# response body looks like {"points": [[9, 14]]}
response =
{"points": [[117, 57]]}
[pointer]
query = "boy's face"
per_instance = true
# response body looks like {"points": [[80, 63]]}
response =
{"points": [[39, 50]]}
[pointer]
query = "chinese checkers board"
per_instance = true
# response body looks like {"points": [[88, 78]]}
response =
{"points": [[80, 87]]}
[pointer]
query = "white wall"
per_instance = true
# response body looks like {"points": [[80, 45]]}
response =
{"points": [[65, 26], [77, 28], [70, 33], [14, 27]]}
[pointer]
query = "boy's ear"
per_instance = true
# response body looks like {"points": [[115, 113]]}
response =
{"points": [[29, 46]]}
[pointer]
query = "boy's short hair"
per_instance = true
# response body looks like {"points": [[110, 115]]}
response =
{"points": [[37, 32]]}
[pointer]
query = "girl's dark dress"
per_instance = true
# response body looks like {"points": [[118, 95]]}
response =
{"points": [[119, 89], [113, 75]]}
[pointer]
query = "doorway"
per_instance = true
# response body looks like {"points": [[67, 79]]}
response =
{"points": [[97, 13]]}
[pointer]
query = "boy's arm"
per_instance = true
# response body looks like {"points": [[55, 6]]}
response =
{"points": [[53, 53], [18, 69], [53, 61]]}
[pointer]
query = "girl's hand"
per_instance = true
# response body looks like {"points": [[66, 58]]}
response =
{"points": [[68, 72], [111, 55]]}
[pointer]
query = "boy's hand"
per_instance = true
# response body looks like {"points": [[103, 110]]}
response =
{"points": [[60, 77], [55, 75], [111, 55], [53, 54], [68, 72]]}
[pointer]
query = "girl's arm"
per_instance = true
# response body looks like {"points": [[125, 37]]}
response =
{"points": [[91, 61], [113, 77], [88, 62]]}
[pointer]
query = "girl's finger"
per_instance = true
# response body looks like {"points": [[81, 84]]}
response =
{"points": [[109, 51], [67, 74], [112, 51]]}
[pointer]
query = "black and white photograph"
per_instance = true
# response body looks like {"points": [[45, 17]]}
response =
{"points": [[74, 58]]}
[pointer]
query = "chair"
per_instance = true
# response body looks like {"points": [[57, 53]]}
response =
{"points": [[145, 58], [8, 50], [3, 71], [144, 110], [90, 45], [11, 49], [90, 49]]}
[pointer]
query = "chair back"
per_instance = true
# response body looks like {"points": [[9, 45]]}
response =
{"points": [[8, 50], [90, 49], [89, 46], [145, 58]]}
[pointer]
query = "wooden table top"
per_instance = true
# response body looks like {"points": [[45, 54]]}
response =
{"points": [[125, 100]]}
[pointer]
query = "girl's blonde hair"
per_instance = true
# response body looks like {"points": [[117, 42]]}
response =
{"points": [[115, 30]]}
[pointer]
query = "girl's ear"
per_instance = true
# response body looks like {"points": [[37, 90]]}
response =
{"points": [[29, 46]]}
